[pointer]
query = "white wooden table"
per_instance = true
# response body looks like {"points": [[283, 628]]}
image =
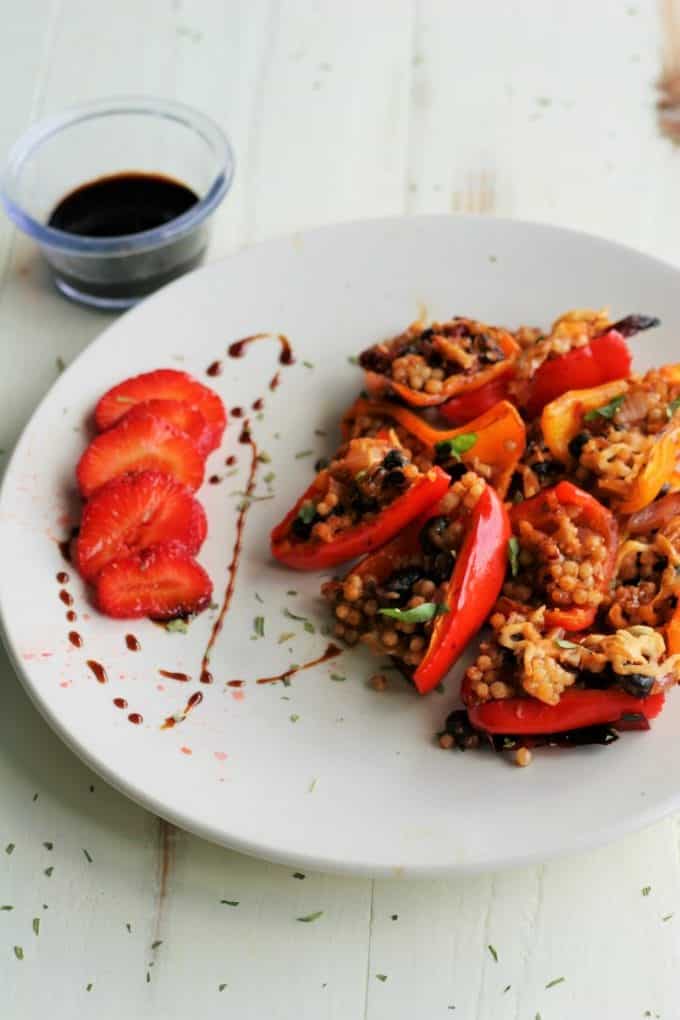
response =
{"points": [[338, 109]]}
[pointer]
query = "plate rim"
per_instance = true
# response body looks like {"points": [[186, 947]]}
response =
{"points": [[580, 842]]}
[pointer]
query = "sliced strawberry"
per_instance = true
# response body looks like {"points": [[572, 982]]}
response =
{"points": [[133, 512], [184, 417], [163, 384], [147, 444], [162, 582]]}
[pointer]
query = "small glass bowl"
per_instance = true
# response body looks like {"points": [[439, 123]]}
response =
{"points": [[113, 136]]}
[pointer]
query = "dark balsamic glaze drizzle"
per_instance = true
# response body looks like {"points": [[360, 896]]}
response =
{"points": [[75, 639], [132, 643], [332, 652], [66, 597], [120, 702], [214, 369], [62, 577], [238, 348], [135, 718], [172, 720], [182, 677], [98, 671], [286, 357]]}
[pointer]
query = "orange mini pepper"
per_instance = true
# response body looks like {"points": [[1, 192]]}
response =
{"points": [[563, 419], [379, 383], [500, 435]]}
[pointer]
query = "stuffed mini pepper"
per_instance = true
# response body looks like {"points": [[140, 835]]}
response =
{"points": [[423, 596], [426, 366]]}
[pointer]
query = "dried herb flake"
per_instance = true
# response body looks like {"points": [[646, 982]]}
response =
{"points": [[493, 952], [606, 411], [178, 626], [458, 445], [309, 918], [555, 981]]}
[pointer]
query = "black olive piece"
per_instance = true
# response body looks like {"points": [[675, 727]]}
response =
{"points": [[395, 480], [455, 469], [363, 504], [394, 459], [303, 529], [401, 582], [430, 535], [543, 468], [577, 443], [599, 681], [459, 727], [440, 566], [637, 684], [602, 734]]}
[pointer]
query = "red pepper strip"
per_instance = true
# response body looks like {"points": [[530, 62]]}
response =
{"points": [[538, 511], [603, 360], [312, 554], [500, 432], [462, 409], [378, 384], [473, 586], [576, 709]]}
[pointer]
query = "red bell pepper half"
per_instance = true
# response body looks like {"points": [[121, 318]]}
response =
{"points": [[472, 588], [361, 538], [605, 359], [577, 709], [462, 409], [539, 510]]}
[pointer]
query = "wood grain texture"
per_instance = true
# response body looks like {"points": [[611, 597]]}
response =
{"points": [[336, 111]]}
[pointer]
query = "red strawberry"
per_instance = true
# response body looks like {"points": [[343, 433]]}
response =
{"points": [[182, 416], [133, 512], [147, 444], [162, 582], [163, 384]]}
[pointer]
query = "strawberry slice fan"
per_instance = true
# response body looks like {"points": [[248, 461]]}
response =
{"points": [[141, 525]]}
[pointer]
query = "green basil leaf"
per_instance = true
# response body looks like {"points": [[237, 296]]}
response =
{"points": [[457, 445], [562, 643], [513, 555], [606, 411], [307, 513], [418, 614]]}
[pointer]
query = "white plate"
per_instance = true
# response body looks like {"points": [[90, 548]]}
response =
{"points": [[356, 783]]}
